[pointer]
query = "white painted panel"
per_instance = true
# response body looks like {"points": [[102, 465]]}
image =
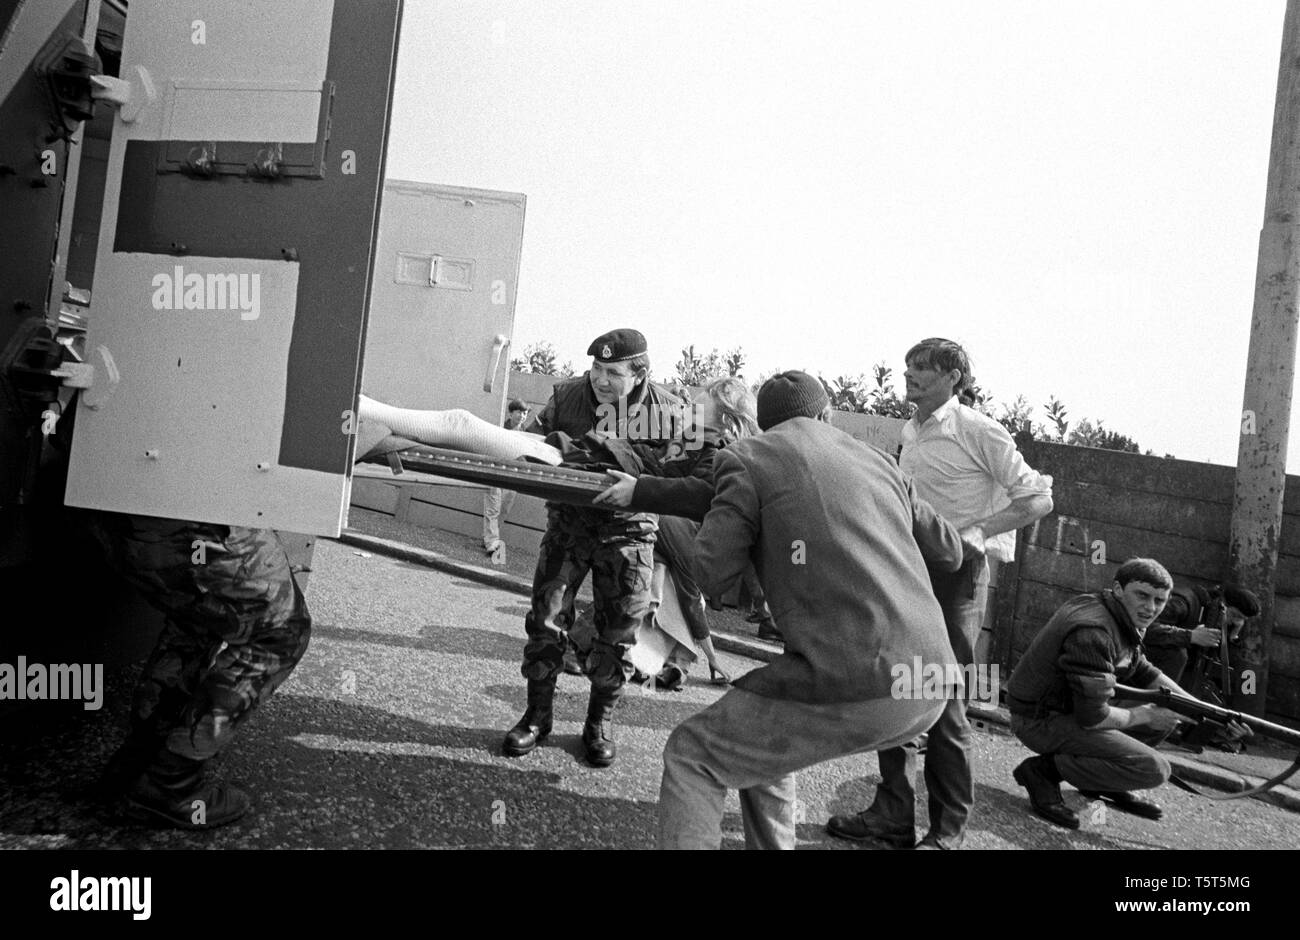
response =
{"points": [[177, 435], [282, 44], [431, 346], [247, 111]]}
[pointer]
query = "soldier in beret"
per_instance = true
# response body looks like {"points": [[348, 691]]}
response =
{"points": [[616, 547], [1189, 624]]}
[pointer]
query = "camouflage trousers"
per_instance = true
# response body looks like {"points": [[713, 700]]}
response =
{"points": [[236, 624], [621, 563]]}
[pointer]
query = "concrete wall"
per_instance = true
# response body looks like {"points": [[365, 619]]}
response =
{"points": [[1129, 505]]}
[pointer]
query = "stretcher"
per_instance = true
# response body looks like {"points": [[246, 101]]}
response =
{"points": [[387, 435]]}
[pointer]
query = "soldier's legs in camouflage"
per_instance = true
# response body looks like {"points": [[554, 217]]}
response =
{"points": [[267, 631], [621, 574], [236, 624], [562, 565], [169, 680]]}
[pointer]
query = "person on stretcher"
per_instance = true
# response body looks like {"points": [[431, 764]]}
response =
{"points": [[384, 427], [679, 484]]}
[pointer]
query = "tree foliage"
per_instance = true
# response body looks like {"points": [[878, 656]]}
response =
{"points": [[875, 395], [878, 397], [695, 369], [539, 358]]}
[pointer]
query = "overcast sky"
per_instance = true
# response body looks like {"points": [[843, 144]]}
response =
{"points": [[1073, 190]]}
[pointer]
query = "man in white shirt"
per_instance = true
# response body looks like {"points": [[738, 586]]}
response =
{"points": [[967, 467]]}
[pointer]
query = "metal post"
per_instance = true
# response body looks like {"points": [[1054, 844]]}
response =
{"points": [[1270, 374]]}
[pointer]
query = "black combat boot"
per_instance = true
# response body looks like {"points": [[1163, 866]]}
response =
{"points": [[127, 764], [598, 732], [172, 792], [533, 728]]}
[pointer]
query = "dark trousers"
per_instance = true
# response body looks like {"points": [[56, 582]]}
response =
{"points": [[1095, 760], [236, 624], [621, 562], [675, 544], [963, 595]]}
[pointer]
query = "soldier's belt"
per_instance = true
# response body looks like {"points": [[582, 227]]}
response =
{"points": [[557, 484]]}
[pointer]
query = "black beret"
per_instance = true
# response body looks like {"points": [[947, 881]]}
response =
{"points": [[617, 345], [1245, 601]]}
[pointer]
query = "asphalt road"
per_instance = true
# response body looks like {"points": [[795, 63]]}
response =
{"points": [[388, 736]]}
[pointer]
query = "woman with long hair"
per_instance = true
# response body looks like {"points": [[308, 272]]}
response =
{"points": [[723, 411]]}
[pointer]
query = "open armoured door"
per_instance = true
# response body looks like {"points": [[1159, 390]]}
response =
{"points": [[234, 261], [443, 303]]}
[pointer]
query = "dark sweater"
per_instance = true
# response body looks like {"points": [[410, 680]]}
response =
{"points": [[682, 486], [1173, 628], [1075, 660]]}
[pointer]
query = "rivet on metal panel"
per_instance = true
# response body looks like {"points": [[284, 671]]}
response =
{"points": [[151, 454], [268, 162], [201, 160]]}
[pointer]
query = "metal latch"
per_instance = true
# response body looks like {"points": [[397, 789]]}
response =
{"points": [[129, 96], [269, 162]]}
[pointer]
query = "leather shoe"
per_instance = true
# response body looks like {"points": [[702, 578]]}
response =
{"points": [[867, 826], [670, 678], [1123, 800], [535, 725], [572, 664], [1044, 794], [932, 841]]}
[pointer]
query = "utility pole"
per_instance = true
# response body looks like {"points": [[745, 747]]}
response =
{"points": [[1270, 375]]}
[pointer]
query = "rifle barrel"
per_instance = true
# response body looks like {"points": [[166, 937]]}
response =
{"points": [[1195, 708]]}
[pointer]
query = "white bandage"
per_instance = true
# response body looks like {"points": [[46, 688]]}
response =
{"points": [[457, 429]]}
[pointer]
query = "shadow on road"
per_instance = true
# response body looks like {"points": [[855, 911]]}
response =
{"points": [[433, 638], [322, 774]]}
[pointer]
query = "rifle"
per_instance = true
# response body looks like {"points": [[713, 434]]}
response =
{"points": [[1201, 685], [1205, 713]]}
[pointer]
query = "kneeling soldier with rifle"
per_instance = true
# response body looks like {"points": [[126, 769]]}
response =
{"points": [[1060, 692]]}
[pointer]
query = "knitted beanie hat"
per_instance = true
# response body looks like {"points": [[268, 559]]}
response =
{"points": [[792, 394]]}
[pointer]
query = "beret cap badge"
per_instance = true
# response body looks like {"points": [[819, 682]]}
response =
{"points": [[617, 346]]}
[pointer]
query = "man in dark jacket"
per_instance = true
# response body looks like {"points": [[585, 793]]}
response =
{"points": [[1184, 628], [617, 399], [1060, 692], [828, 522]]}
